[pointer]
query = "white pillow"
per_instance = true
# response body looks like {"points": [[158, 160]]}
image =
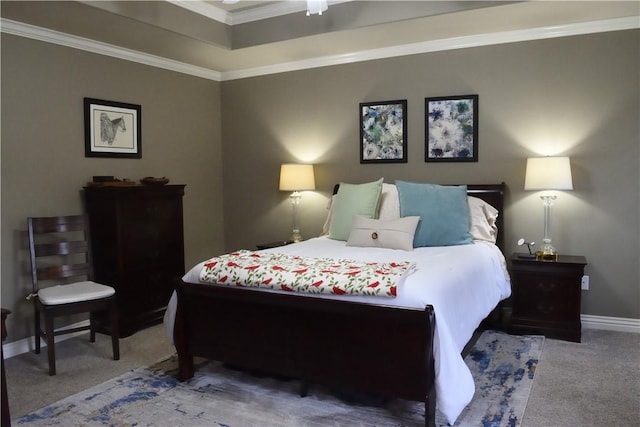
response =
{"points": [[390, 203], [391, 234], [327, 222], [482, 220]]}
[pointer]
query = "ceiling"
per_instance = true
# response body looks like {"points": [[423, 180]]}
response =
{"points": [[249, 36]]}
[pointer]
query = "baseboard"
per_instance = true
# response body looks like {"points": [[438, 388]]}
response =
{"points": [[619, 324], [27, 344]]}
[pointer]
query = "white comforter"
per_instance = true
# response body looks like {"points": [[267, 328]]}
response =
{"points": [[462, 283]]}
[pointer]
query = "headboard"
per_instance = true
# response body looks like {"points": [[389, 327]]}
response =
{"points": [[490, 193]]}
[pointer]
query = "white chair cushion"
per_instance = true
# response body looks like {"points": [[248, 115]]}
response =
{"points": [[74, 292]]}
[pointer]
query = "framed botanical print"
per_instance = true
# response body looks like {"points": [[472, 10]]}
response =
{"points": [[451, 129], [383, 132]]}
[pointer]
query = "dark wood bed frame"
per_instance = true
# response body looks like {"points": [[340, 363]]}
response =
{"points": [[384, 350]]}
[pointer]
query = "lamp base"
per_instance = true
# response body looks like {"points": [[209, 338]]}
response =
{"points": [[296, 237], [547, 253]]}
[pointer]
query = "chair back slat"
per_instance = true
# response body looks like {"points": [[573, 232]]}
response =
{"points": [[59, 248], [57, 272], [58, 224]]}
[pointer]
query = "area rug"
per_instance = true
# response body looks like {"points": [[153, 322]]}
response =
{"points": [[503, 367]]}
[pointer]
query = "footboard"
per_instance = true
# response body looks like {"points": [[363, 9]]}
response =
{"points": [[377, 349]]}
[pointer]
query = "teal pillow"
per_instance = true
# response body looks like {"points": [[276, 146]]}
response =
{"points": [[443, 212], [351, 200]]}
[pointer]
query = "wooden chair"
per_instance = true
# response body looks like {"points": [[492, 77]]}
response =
{"points": [[60, 258]]}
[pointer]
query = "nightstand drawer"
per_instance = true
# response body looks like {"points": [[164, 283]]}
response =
{"points": [[546, 296]]}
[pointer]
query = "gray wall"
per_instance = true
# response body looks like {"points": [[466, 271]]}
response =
{"points": [[575, 96], [43, 162]]}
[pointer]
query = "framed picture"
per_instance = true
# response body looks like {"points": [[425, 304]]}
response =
{"points": [[112, 129], [383, 132], [451, 129]]}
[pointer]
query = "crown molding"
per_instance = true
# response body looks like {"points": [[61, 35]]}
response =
{"points": [[442, 45], [51, 36], [55, 37]]}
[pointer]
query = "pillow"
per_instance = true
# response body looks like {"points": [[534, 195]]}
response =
{"points": [[389, 203], [389, 206], [482, 220], [391, 234], [443, 212], [353, 199]]}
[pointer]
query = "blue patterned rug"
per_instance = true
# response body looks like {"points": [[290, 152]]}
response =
{"points": [[503, 367]]}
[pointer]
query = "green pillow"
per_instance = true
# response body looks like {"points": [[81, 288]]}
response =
{"points": [[351, 200], [443, 212]]}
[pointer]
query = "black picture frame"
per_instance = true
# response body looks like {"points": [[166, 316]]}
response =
{"points": [[112, 129], [451, 128], [383, 132]]}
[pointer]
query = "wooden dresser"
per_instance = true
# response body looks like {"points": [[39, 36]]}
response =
{"points": [[137, 244]]}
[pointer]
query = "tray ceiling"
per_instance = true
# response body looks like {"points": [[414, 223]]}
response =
{"points": [[247, 35]]}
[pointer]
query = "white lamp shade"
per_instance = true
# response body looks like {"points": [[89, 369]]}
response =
{"points": [[295, 177], [548, 173]]}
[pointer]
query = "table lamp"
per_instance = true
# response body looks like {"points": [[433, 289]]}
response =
{"points": [[548, 174], [296, 178]]}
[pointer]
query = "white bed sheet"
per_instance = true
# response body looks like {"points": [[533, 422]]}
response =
{"points": [[463, 284]]}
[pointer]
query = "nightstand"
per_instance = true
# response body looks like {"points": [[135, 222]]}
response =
{"points": [[546, 296], [276, 244]]}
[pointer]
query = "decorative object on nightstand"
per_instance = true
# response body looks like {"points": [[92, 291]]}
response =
{"points": [[530, 255], [546, 296], [296, 178], [548, 173]]}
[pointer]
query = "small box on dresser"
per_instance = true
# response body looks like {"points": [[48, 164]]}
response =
{"points": [[137, 245], [546, 296]]}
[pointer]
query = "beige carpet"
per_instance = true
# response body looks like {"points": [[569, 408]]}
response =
{"points": [[503, 367], [589, 384], [595, 383], [80, 365]]}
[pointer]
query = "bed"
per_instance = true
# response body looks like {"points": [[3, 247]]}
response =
{"points": [[408, 346]]}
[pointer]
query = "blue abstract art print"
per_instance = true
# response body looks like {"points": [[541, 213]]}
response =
{"points": [[451, 129], [383, 132]]}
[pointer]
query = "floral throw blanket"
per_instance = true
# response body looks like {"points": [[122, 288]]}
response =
{"points": [[303, 274]]}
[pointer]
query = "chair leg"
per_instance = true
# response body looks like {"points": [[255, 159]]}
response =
{"points": [[92, 328], [115, 331], [51, 349], [37, 331]]}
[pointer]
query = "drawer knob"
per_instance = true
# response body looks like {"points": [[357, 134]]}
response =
{"points": [[545, 308], [546, 286]]}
